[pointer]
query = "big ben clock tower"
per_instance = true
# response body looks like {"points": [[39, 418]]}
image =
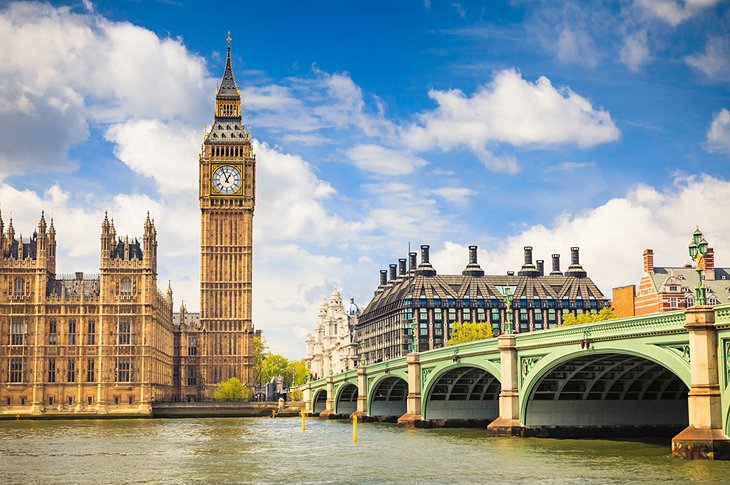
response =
{"points": [[226, 191]]}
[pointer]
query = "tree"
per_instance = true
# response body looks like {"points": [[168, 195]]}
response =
{"points": [[299, 372], [259, 354], [231, 390], [469, 332], [275, 365], [606, 313], [296, 395]]}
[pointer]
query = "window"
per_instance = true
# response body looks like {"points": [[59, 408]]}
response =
{"points": [[16, 370], [423, 329], [672, 288], [481, 315], [91, 332], [125, 288], [17, 331], [192, 345], [438, 315], [537, 316], [192, 378], [423, 315], [124, 370], [71, 371], [672, 302], [72, 332], [90, 364], [51, 370], [495, 315], [466, 315], [124, 332], [18, 287], [452, 314], [52, 329]]}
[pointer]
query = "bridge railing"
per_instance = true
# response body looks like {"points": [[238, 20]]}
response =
{"points": [[665, 321]]}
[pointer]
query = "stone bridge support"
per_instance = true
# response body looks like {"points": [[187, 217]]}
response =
{"points": [[307, 398], [329, 410], [413, 402], [362, 394], [508, 422], [704, 438]]}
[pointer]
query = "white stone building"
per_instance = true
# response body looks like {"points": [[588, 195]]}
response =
{"points": [[333, 347]]}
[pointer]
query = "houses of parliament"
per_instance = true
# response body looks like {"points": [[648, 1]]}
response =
{"points": [[111, 343]]}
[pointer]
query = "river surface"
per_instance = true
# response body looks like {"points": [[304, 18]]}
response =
{"points": [[265, 450]]}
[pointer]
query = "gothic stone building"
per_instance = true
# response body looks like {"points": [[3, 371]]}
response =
{"points": [[333, 347], [415, 310], [83, 344]]}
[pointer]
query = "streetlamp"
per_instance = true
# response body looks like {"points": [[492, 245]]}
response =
{"points": [[508, 327], [697, 250]]}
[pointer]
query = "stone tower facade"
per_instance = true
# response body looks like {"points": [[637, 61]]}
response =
{"points": [[226, 193], [333, 348]]}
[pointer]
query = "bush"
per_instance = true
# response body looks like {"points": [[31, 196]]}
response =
{"points": [[469, 332], [231, 390], [296, 395], [606, 313]]}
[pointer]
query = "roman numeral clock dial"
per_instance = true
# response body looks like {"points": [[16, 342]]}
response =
{"points": [[226, 180]]}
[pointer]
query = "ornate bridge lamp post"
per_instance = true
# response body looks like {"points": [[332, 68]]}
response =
{"points": [[508, 326], [697, 250]]}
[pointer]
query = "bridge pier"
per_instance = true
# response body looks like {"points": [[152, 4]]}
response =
{"points": [[508, 422], [413, 401], [329, 410], [362, 395], [307, 398], [704, 438]]}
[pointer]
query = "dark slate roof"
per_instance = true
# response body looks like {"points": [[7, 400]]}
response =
{"points": [[686, 279], [228, 88], [228, 130], [135, 250], [30, 248], [460, 287]]}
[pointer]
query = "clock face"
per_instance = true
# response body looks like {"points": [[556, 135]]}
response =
{"points": [[226, 180]]}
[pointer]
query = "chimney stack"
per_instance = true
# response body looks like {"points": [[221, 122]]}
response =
{"points": [[710, 264], [401, 266], [425, 267], [556, 266], [648, 261], [473, 268], [528, 269], [541, 267], [575, 269], [383, 277], [412, 262], [393, 272]]}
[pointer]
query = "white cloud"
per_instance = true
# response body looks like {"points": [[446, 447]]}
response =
{"points": [[714, 62], [635, 50], [84, 68], [675, 12], [384, 161], [510, 110], [576, 46], [166, 152], [455, 195], [718, 136]]}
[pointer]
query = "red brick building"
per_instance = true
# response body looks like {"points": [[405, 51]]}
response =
{"points": [[667, 288]]}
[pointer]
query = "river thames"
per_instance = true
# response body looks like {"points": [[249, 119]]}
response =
{"points": [[265, 450]]}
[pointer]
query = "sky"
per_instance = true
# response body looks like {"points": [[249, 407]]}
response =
{"points": [[379, 124]]}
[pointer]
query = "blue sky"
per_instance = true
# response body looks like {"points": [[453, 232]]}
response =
{"points": [[598, 124]]}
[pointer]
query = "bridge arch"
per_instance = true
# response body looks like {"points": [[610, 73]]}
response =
{"points": [[387, 397], [607, 391], [461, 391], [319, 401], [346, 399]]}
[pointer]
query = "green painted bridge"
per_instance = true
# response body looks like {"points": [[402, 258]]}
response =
{"points": [[641, 376]]}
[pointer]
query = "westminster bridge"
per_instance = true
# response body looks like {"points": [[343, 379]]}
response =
{"points": [[661, 374]]}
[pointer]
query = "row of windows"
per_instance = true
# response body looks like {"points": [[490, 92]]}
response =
{"points": [[69, 400], [19, 332], [495, 303], [123, 372]]}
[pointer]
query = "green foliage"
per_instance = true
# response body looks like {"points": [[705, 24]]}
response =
{"points": [[231, 390], [259, 349], [298, 370], [276, 365], [606, 313], [469, 332]]}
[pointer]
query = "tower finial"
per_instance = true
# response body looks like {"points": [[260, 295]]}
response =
{"points": [[228, 39]]}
